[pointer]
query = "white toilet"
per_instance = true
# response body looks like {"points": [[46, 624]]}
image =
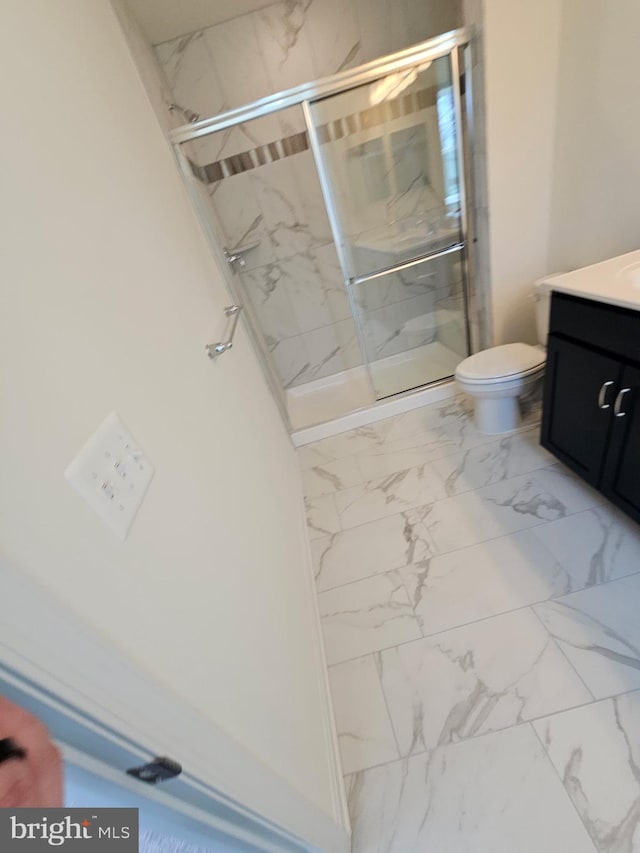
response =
{"points": [[496, 377]]}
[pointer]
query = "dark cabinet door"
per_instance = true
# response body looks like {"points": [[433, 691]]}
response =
{"points": [[580, 387], [621, 475]]}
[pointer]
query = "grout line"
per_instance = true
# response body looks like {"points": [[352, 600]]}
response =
{"points": [[529, 606], [556, 466], [561, 650], [532, 528], [378, 667], [459, 743], [522, 724], [547, 758], [425, 432]]}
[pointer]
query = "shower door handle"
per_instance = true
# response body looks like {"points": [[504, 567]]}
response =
{"points": [[214, 350]]}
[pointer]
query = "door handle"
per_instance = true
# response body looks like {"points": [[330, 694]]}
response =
{"points": [[617, 406], [602, 396]]}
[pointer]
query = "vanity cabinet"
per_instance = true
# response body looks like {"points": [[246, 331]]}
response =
{"points": [[591, 409]]}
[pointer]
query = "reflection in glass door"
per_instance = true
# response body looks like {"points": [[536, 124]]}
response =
{"points": [[388, 153]]}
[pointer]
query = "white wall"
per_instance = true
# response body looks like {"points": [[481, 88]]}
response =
{"points": [[521, 49], [596, 182], [108, 298]]}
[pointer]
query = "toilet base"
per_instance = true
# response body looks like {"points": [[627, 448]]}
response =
{"points": [[495, 415]]}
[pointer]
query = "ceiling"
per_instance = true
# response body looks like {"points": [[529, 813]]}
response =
{"points": [[162, 20]]}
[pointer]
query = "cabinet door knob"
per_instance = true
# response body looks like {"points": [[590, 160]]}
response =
{"points": [[617, 406], [602, 396]]}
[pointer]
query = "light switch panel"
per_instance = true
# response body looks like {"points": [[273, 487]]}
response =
{"points": [[112, 474]]}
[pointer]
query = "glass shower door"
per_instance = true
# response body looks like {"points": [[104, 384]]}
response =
{"points": [[388, 155]]}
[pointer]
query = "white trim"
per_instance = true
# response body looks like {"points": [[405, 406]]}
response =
{"points": [[134, 792], [378, 412], [338, 792], [88, 683]]}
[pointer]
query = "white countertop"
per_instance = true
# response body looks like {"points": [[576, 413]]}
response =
{"points": [[616, 281]]}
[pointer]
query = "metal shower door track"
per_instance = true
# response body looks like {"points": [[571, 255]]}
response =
{"points": [[429, 50]]}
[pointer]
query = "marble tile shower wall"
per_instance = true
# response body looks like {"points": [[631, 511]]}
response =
{"points": [[293, 276]]}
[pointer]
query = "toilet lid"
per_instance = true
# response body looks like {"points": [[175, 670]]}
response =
{"points": [[502, 361]]}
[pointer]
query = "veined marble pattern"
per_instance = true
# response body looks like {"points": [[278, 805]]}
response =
{"points": [[280, 204], [365, 616], [493, 462], [284, 44], [334, 46], [494, 794], [322, 517], [292, 215], [389, 495], [599, 631], [313, 355], [191, 74], [402, 442], [489, 675], [392, 452], [497, 576], [597, 546], [510, 505], [508, 600], [591, 748], [368, 549], [233, 46], [330, 478]]}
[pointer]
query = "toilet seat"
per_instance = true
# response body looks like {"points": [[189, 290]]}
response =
{"points": [[500, 363]]}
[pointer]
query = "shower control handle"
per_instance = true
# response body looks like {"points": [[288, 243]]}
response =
{"points": [[602, 396], [233, 258]]}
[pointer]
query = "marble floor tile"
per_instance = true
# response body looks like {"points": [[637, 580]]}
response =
{"points": [[322, 516], [506, 507], [388, 495], [400, 451], [490, 463], [483, 580], [494, 794], [370, 549], [472, 589], [451, 416], [598, 629], [595, 546], [330, 477], [366, 616], [454, 417], [596, 752], [336, 447], [476, 679], [365, 735], [408, 452]]}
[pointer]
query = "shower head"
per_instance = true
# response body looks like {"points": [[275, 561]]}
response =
{"points": [[188, 114]]}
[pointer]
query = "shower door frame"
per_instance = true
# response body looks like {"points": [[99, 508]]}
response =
{"points": [[456, 44]]}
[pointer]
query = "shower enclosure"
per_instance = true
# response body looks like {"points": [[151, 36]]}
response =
{"points": [[339, 212]]}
